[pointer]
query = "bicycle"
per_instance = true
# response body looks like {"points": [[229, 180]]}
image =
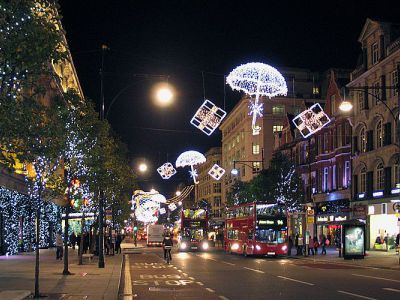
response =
{"points": [[168, 253]]}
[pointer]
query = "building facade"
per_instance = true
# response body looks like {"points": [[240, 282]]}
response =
{"points": [[376, 149], [210, 189]]}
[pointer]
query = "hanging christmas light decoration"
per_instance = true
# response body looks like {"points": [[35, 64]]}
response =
{"points": [[311, 120], [166, 171], [208, 117], [172, 206], [146, 205], [162, 211], [257, 79], [216, 172], [190, 158]]}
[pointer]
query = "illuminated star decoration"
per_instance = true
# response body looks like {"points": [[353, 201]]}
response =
{"points": [[311, 120], [216, 172], [166, 171], [190, 158], [257, 79], [208, 117]]}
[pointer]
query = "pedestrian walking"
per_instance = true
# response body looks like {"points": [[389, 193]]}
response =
{"points": [[300, 245], [59, 246], [311, 246], [72, 239], [290, 245], [78, 242], [315, 245], [118, 241], [323, 244]]}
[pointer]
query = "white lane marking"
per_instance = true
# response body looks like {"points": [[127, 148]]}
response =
{"points": [[210, 290], [258, 271], [380, 278], [392, 290], [356, 295], [295, 280], [228, 263], [191, 278], [213, 259], [128, 281], [175, 268], [199, 283], [223, 298], [184, 274], [180, 271]]}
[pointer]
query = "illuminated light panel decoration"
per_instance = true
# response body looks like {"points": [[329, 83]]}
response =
{"points": [[190, 158], [146, 205], [166, 171], [311, 120], [172, 206], [257, 79], [208, 117], [216, 172], [162, 211]]}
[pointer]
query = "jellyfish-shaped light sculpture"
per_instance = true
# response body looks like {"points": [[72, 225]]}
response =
{"points": [[257, 79], [190, 158]]}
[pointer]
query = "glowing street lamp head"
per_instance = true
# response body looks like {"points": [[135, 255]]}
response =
{"points": [[164, 96], [346, 106], [235, 172], [142, 167], [178, 193]]}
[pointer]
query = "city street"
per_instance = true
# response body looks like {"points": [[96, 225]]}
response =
{"points": [[216, 275]]}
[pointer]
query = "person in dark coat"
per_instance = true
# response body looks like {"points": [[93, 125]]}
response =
{"points": [[72, 239], [290, 245], [118, 244]]}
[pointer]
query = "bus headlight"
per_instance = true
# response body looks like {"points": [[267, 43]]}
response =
{"points": [[183, 246], [258, 248], [284, 248], [205, 246], [235, 247]]}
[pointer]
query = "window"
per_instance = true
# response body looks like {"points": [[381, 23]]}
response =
{"points": [[238, 139], [256, 149], [315, 90], [347, 132], [326, 142], [346, 181], [334, 139], [339, 136], [334, 178], [217, 187], [256, 166], [363, 180], [363, 140], [394, 81], [380, 177], [217, 201], [325, 180], [333, 104], [277, 128], [278, 109], [361, 101], [379, 134], [374, 53], [396, 174], [376, 92], [243, 171]]}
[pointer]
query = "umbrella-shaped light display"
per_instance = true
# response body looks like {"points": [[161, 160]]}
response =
{"points": [[257, 79], [190, 158]]}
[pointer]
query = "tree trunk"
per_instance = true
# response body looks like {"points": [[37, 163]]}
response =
{"points": [[81, 241], [66, 271], [37, 295]]}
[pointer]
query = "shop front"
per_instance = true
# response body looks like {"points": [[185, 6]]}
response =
{"points": [[330, 216]]}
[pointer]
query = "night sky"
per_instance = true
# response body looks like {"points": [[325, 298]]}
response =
{"points": [[185, 39]]}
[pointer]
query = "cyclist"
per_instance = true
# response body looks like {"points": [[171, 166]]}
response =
{"points": [[167, 246]]}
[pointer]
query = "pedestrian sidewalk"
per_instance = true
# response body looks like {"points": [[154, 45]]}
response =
{"points": [[87, 282], [375, 259]]}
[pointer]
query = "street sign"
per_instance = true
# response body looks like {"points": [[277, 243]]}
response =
{"points": [[310, 220]]}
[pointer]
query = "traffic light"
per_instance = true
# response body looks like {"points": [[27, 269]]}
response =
{"points": [[135, 228]]}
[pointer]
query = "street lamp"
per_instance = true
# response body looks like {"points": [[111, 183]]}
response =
{"points": [[143, 167], [178, 193], [235, 171]]}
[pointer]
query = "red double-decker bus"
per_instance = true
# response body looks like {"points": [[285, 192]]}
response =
{"points": [[193, 231], [256, 229]]}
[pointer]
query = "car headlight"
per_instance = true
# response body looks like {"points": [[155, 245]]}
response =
{"points": [[183, 245], [284, 248], [205, 246], [258, 248], [235, 246]]}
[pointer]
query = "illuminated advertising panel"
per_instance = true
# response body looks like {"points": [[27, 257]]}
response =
{"points": [[354, 241]]}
